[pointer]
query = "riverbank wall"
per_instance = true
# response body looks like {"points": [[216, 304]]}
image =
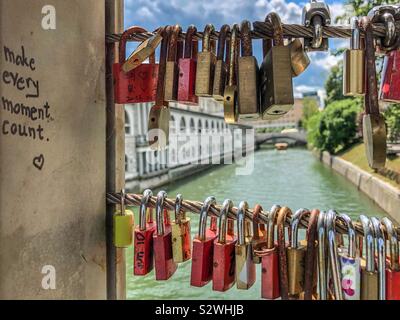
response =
{"points": [[382, 193]]}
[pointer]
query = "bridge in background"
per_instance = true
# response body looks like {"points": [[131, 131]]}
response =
{"points": [[294, 138]]}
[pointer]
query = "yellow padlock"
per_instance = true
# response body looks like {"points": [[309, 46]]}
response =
{"points": [[123, 225]]}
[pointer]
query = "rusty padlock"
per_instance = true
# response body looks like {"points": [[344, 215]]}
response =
{"points": [[223, 276], [390, 82], [203, 245], [259, 239], [143, 238], [393, 264], [220, 74], [171, 71], [181, 239], [187, 69], [139, 84], [245, 267], [283, 213], [164, 264]]}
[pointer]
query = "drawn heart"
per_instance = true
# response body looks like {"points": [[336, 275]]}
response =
{"points": [[38, 161]]}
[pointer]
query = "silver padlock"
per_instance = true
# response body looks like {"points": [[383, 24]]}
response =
{"points": [[316, 14], [322, 263], [381, 253]]}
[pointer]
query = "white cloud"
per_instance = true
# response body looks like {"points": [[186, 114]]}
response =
{"points": [[324, 61]]}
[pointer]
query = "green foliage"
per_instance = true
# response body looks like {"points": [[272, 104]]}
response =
{"points": [[392, 117], [310, 107], [334, 84], [360, 8], [335, 127]]}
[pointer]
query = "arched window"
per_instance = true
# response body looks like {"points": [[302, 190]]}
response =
{"points": [[199, 126], [172, 125], [127, 123], [206, 125], [192, 126], [126, 163], [182, 125]]}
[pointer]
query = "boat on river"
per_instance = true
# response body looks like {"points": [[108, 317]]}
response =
{"points": [[281, 146]]}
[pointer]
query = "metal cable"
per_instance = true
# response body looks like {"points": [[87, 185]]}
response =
{"points": [[263, 30], [132, 199]]}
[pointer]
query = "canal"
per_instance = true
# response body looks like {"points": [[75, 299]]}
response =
{"points": [[293, 178]]}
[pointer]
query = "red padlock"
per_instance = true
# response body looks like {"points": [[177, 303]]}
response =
{"points": [[203, 245], [187, 69], [393, 263], [224, 251], [139, 84], [270, 260], [390, 83], [143, 245], [162, 240]]}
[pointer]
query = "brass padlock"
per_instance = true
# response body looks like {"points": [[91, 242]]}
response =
{"points": [[259, 240], [205, 65], [230, 93], [220, 73], [171, 71], [354, 64], [374, 128], [248, 91], [142, 52], [245, 267], [296, 254], [369, 274], [298, 57], [276, 74], [158, 124], [181, 239], [123, 225]]}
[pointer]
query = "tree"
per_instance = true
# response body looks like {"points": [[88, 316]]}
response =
{"points": [[392, 118], [334, 84], [310, 107]]}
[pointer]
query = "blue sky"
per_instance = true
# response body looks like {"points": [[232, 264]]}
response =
{"points": [[150, 14]]}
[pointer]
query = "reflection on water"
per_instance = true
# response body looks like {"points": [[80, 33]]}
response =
{"points": [[293, 178]]}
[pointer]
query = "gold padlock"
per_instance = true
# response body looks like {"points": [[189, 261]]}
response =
{"points": [[181, 239], [298, 57], [171, 71], [205, 65], [220, 66], [123, 225], [276, 74]]}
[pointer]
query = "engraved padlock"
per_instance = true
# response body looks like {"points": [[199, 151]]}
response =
{"points": [[123, 225], [181, 239]]}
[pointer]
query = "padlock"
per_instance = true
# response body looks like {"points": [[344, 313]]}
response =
{"points": [[223, 276], [259, 239], [283, 213], [139, 84], [123, 225], [143, 237], [245, 267], [296, 254], [205, 65], [369, 274], [350, 266], [187, 69], [142, 52], [203, 245], [298, 57], [275, 74], [171, 70], [248, 72], [270, 259], [390, 82], [311, 274], [380, 252], [158, 124], [181, 239], [334, 267], [354, 64], [317, 15], [388, 15], [374, 128], [230, 93], [393, 265], [220, 73], [322, 257], [164, 264]]}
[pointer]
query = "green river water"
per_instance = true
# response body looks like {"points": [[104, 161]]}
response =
{"points": [[293, 178]]}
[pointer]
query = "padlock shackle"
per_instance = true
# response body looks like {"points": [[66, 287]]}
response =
{"points": [[147, 194], [160, 93], [233, 55], [272, 214], [322, 265], [246, 46], [317, 31], [223, 220], [222, 41], [191, 31], [369, 243], [206, 44], [203, 216], [122, 202], [161, 196], [351, 233], [255, 221], [355, 40], [391, 235], [294, 226], [179, 212], [381, 253], [173, 43], [241, 228], [277, 28], [333, 254], [126, 35]]}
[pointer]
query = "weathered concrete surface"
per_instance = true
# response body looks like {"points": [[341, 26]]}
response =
{"points": [[383, 194], [52, 194]]}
